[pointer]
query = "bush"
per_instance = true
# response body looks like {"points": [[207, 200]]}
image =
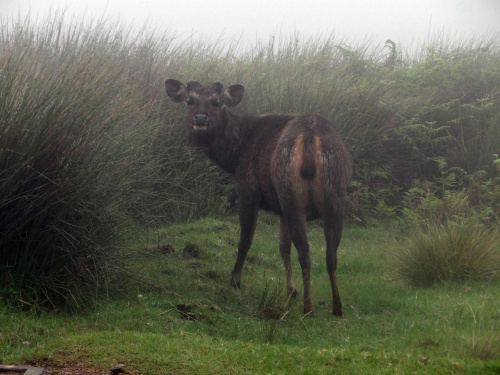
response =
{"points": [[443, 252], [70, 156]]}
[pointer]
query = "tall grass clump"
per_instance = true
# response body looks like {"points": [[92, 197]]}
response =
{"points": [[71, 141], [448, 252]]}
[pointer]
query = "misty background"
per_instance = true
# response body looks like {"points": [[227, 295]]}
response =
{"points": [[409, 23]]}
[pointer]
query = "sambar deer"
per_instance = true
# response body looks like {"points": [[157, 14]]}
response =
{"points": [[295, 166]]}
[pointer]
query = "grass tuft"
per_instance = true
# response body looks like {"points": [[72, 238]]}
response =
{"points": [[274, 306], [448, 252]]}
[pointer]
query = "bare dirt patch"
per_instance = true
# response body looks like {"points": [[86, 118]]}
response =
{"points": [[80, 368]]}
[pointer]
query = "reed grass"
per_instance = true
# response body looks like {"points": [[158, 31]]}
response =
{"points": [[71, 144]]}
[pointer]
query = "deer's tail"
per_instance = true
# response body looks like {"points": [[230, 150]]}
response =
{"points": [[311, 150]]}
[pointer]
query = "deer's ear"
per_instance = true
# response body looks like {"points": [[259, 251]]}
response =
{"points": [[176, 90], [233, 95]]}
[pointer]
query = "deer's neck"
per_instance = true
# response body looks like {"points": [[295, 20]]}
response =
{"points": [[225, 145]]}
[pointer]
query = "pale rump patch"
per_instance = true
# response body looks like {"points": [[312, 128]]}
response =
{"points": [[302, 157], [297, 155], [296, 159], [318, 146], [298, 149]]}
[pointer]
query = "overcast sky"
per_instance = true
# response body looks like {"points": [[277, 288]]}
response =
{"points": [[407, 22]]}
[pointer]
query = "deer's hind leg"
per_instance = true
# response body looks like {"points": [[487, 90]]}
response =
{"points": [[285, 249], [333, 222], [297, 228]]}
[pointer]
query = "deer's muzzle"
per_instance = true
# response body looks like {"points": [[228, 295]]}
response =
{"points": [[200, 121]]}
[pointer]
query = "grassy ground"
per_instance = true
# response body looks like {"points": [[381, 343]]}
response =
{"points": [[187, 319]]}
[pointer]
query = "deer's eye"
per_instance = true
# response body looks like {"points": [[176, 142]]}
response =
{"points": [[215, 102], [189, 101]]}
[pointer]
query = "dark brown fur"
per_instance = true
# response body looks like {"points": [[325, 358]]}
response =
{"points": [[295, 166]]}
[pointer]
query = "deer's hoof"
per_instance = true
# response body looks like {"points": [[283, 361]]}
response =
{"points": [[235, 283], [337, 311]]}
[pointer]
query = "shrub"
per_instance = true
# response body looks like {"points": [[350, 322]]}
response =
{"points": [[70, 156], [443, 252]]}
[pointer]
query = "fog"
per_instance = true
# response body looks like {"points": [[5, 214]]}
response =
{"points": [[406, 22]]}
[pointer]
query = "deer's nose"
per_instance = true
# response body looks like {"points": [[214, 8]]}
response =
{"points": [[200, 119]]}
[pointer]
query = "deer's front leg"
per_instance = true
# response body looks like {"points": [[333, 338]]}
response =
{"points": [[248, 219]]}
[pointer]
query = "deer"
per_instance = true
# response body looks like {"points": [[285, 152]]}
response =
{"points": [[296, 166]]}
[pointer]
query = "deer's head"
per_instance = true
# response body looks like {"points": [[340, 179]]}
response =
{"points": [[204, 102]]}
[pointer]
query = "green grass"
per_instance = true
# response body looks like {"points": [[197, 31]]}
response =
{"points": [[442, 252], [187, 319]]}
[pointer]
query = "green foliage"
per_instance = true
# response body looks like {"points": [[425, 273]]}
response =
{"points": [[456, 196], [70, 164], [444, 252]]}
